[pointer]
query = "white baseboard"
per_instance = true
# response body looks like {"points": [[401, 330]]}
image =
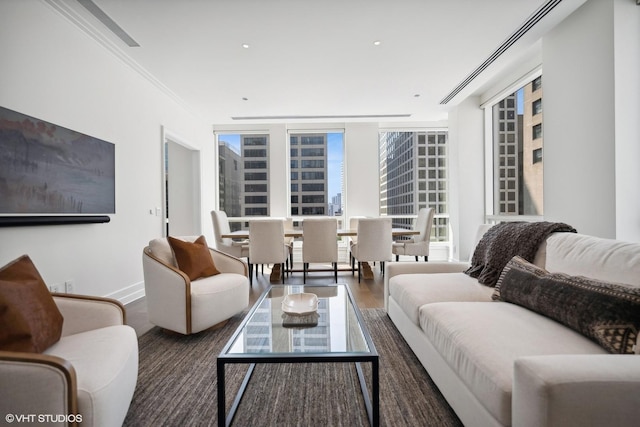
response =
{"points": [[128, 294]]}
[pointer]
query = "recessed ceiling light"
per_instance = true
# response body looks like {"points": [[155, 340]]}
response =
{"points": [[244, 98], [245, 45], [417, 95], [377, 43]]}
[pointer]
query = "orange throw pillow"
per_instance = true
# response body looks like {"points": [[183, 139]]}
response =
{"points": [[29, 317], [194, 259]]}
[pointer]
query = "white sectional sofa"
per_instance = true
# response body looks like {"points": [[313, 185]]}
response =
{"points": [[501, 364]]}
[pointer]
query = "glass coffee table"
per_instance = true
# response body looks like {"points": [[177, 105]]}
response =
{"points": [[335, 332]]}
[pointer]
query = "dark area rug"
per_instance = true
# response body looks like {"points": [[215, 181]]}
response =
{"points": [[177, 385]]}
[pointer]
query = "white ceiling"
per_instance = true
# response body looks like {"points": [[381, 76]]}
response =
{"points": [[315, 58]]}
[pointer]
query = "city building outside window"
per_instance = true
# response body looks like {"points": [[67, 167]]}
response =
{"points": [[517, 139], [243, 175], [537, 155], [537, 106], [413, 175], [316, 173]]}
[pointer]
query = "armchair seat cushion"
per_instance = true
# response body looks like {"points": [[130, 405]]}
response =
{"points": [[105, 384], [216, 298]]}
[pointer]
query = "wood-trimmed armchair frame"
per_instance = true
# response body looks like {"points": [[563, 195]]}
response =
{"points": [[172, 277], [32, 377]]}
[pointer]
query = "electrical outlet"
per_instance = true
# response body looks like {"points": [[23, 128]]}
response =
{"points": [[69, 286], [54, 288]]}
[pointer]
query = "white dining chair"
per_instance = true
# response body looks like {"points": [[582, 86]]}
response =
{"points": [[266, 245], [417, 245], [319, 244], [224, 244], [288, 241], [373, 244], [353, 225]]}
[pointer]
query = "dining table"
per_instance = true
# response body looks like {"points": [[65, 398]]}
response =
{"points": [[342, 232]]}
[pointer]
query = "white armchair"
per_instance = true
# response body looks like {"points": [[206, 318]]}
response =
{"points": [[187, 306], [89, 375]]}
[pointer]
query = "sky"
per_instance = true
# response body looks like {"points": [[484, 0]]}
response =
{"points": [[520, 101], [335, 156], [335, 150]]}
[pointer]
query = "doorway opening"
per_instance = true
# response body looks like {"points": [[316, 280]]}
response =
{"points": [[181, 187]]}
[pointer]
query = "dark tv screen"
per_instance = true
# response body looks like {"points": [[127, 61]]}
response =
{"points": [[49, 169]]}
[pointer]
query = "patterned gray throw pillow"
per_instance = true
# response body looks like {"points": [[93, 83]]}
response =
{"points": [[607, 313]]}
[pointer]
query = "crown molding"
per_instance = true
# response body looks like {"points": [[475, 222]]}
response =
{"points": [[63, 9]]}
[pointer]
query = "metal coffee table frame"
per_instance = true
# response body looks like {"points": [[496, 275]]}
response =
{"points": [[372, 403]]}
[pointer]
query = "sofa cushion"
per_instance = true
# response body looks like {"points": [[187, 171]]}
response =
{"points": [[594, 257], [481, 342], [193, 258], [411, 291], [30, 319], [106, 365], [607, 313]]}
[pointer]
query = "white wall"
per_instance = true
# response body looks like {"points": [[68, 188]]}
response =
{"points": [[466, 174], [590, 118], [53, 71], [627, 121], [362, 173]]}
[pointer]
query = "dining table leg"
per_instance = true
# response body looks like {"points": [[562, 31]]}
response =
{"points": [[275, 274], [367, 272]]}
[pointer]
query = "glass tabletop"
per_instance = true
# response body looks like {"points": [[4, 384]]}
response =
{"points": [[334, 328]]}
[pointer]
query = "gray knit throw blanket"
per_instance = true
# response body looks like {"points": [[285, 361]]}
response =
{"points": [[504, 241]]}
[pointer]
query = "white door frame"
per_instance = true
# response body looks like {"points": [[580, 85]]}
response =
{"points": [[169, 136]]}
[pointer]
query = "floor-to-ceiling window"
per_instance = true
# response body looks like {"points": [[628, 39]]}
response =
{"points": [[516, 148], [316, 173]]}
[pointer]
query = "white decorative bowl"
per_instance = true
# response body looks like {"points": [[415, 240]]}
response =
{"points": [[300, 304]]}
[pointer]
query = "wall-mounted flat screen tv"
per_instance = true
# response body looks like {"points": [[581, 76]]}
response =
{"points": [[46, 169]]}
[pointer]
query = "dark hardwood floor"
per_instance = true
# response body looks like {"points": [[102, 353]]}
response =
{"points": [[369, 293]]}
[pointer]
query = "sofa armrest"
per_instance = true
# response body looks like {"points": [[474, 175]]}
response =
{"points": [[226, 263], [84, 313], [396, 268], [36, 384], [576, 390]]}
